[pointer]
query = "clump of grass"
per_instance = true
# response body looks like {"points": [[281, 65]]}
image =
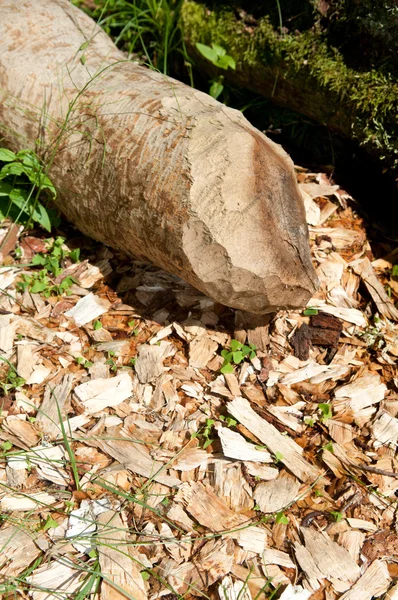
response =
{"points": [[150, 28]]}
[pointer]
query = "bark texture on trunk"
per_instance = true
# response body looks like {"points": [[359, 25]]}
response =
{"points": [[149, 165]]}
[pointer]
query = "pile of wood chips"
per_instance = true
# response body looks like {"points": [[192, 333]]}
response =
{"points": [[127, 453]]}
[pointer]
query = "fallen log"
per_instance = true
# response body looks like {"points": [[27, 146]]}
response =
{"points": [[151, 166]]}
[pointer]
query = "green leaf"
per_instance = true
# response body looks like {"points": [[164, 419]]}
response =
{"points": [[207, 443], [228, 368], [39, 259], [326, 411], [13, 168], [246, 350], [337, 516], [329, 447], [50, 523], [5, 188], [216, 89], [97, 325], [219, 49], [394, 271], [207, 52], [224, 62], [42, 217], [6, 446], [310, 311], [39, 286], [235, 345], [74, 255], [7, 155], [278, 456], [281, 518], [145, 575], [84, 45], [238, 357]]}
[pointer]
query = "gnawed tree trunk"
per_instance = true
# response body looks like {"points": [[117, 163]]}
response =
{"points": [[151, 166]]}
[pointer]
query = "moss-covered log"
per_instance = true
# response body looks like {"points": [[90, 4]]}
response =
{"points": [[302, 71]]}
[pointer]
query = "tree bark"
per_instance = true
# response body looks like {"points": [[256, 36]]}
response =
{"points": [[148, 165]]}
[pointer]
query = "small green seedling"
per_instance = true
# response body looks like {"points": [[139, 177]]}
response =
{"points": [[22, 181], [219, 58], [326, 412], [280, 517], [237, 353], [229, 421], [329, 447], [97, 325], [278, 457], [308, 312], [12, 381], [337, 516], [40, 282], [82, 361], [394, 271]]}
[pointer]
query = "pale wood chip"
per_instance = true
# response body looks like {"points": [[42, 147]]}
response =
{"points": [[230, 485], [352, 541], [201, 351], [34, 330], [18, 550], [253, 539], [161, 334], [62, 578], [16, 471], [232, 384], [97, 394], [20, 432], [295, 592], [316, 190], [207, 508], [235, 446], [392, 593], [134, 456], [53, 405], [94, 273], [276, 495], [149, 363], [374, 582], [351, 315], [288, 451], [121, 574], [375, 288], [26, 360], [341, 238], [275, 575], [385, 430], [255, 582], [323, 558], [191, 458], [87, 309], [271, 556], [361, 393], [178, 515], [262, 472], [25, 503], [214, 560], [316, 373], [49, 462], [361, 524], [233, 590], [118, 347]]}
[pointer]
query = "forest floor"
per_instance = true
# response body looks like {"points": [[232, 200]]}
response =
{"points": [[131, 467]]}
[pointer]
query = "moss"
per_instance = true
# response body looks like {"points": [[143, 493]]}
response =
{"points": [[366, 99]]}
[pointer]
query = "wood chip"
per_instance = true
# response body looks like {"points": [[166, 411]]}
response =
{"points": [[289, 453], [98, 394], [90, 307], [18, 550], [62, 578], [276, 495], [235, 446], [54, 405], [374, 582], [201, 351], [375, 288], [121, 574], [322, 558], [25, 503]]}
